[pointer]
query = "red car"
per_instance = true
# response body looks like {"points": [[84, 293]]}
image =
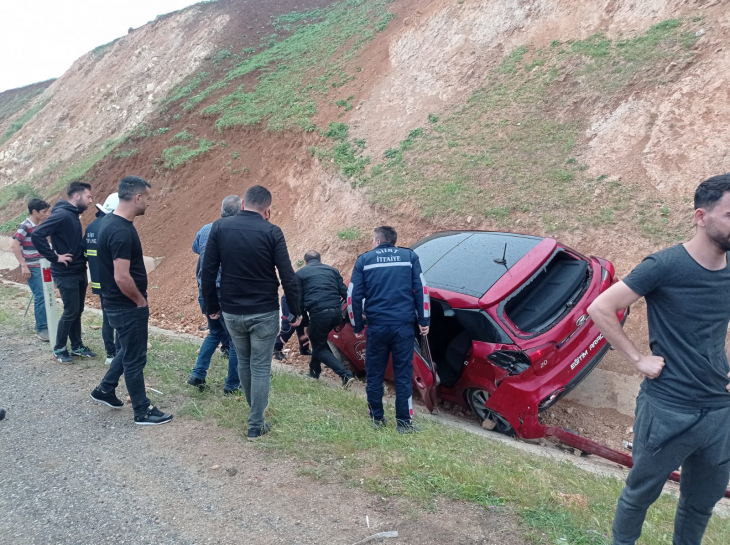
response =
{"points": [[510, 333]]}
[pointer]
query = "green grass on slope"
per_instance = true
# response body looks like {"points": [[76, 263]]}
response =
{"points": [[328, 431], [16, 125], [14, 100], [295, 73], [507, 156]]}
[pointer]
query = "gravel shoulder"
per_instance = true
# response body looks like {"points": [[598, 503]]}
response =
{"points": [[77, 472]]}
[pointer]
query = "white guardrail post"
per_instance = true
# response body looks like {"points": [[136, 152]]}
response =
{"points": [[49, 296]]}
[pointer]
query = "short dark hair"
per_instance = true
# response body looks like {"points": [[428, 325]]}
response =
{"points": [[129, 186], [77, 187], [386, 234], [230, 206], [257, 197], [709, 192], [312, 254], [37, 204]]}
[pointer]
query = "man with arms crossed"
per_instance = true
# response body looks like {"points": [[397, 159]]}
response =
{"points": [[683, 409], [30, 261], [123, 281], [68, 266], [249, 250]]}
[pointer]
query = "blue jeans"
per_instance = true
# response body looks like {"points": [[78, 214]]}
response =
{"points": [[253, 335], [36, 286], [384, 341], [132, 330], [217, 334]]}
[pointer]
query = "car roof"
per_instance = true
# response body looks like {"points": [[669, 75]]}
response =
{"points": [[470, 262]]}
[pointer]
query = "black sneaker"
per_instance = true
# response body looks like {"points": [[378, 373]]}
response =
{"points": [[82, 352], [63, 356], [236, 392], [225, 352], [253, 433], [379, 424], [2, 414], [313, 375], [406, 427], [279, 355], [109, 399], [153, 417], [347, 381], [305, 351], [199, 383]]}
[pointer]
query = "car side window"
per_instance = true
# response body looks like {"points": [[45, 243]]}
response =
{"points": [[481, 327]]}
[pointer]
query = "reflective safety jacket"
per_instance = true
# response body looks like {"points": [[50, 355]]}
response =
{"points": [[388, 285], [92, 243]]}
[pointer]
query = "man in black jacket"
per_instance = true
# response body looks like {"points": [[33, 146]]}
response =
{"points": [[249, 250], [321, 293], [68, 266]]}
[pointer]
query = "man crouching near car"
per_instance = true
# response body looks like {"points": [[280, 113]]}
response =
{"points": [[683, 408]]}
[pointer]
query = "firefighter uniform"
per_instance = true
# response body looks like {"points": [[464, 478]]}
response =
{"points": [[388, 287]]}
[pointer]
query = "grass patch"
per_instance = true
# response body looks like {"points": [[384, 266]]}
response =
{"points": [[78, 170], [349, 233], [177, 156], [187, 89], [14, 100], [328, 430], [12, 193], [16, 125]]}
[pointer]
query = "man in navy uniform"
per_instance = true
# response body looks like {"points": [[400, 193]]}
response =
{"points": [[390, 282]]}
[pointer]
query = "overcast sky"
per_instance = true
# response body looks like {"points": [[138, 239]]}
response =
{"points": [[40, 39]]}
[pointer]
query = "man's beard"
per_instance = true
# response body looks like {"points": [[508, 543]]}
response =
{"points": [[720, 240], [81, 206]]}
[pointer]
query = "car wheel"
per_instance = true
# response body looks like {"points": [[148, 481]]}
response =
{"points": [[477, 400], [344, 360]]}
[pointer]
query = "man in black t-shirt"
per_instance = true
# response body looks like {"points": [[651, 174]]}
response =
{"points": [[123, 280], [683, 409]]}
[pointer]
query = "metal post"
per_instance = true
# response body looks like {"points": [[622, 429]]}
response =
{"points": [[49, 296]]}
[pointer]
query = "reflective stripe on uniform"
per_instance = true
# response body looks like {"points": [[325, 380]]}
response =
{"points": [[350, 313], [393, 264], [96, 285], [91, 253], [426, 298]]}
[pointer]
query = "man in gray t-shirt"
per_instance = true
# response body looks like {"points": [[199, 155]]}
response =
{"points": [[683, 409]]}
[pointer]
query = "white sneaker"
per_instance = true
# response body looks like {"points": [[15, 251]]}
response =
{"points": [[108, 360]]}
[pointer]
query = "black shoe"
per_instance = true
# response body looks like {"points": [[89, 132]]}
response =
{"points": [[407, 426], [347, 381], [235, 392], [279, 355], [63, 356], [253, 433], [225, 352], [378, 424], [82, 352], [109, 399], [199, 383], [153, 417], [304, 351], [2, 414], [313, 375]]}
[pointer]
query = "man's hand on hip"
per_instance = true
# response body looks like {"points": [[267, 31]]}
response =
{"points": [[65, 258]]}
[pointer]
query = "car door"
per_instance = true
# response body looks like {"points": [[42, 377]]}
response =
{"points": [[425, 376]]}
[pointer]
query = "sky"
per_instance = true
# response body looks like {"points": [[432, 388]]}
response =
{"points": [[40, 39]]}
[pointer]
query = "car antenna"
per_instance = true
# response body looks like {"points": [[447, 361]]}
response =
{"points": [[503, 260]]}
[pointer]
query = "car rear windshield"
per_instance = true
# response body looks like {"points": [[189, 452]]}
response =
{"points": [[556, 288]]}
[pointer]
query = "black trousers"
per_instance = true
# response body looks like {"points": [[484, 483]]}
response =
{"points": [[131, 325], [321, 322], [73, 295], [111, 341]]}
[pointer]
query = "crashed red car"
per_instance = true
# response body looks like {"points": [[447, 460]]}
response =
{"points": [[510, 333]]}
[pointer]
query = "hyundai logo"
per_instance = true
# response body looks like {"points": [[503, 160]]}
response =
{"points": [[583, 319]]}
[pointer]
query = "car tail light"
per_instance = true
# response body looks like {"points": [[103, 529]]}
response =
{"points": [[539, 354]]}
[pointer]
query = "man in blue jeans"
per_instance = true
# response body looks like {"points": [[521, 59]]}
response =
{"points": [[68, 267], [249, 251], [389, 279], [30, 261], [123, 280], [217, 331]]}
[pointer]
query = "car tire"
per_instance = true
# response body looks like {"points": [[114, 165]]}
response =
{"points": [[476, 399], [344, 360]]}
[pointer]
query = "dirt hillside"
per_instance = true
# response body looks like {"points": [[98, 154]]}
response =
{"points": [[591, 121]]}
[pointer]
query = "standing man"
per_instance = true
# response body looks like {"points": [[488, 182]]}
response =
{"points": [[91, 237], [123, 281], [683, 408], [286, 331], [217, 331], [396, 296], [321, 292], [249, 250], [68, 266], [30, 261]]}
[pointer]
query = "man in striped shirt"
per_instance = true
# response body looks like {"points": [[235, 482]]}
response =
{"points": [[30, 261]]}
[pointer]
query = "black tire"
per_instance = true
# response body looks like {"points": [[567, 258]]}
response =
{"points": [[476, 399], [340, 355]]}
